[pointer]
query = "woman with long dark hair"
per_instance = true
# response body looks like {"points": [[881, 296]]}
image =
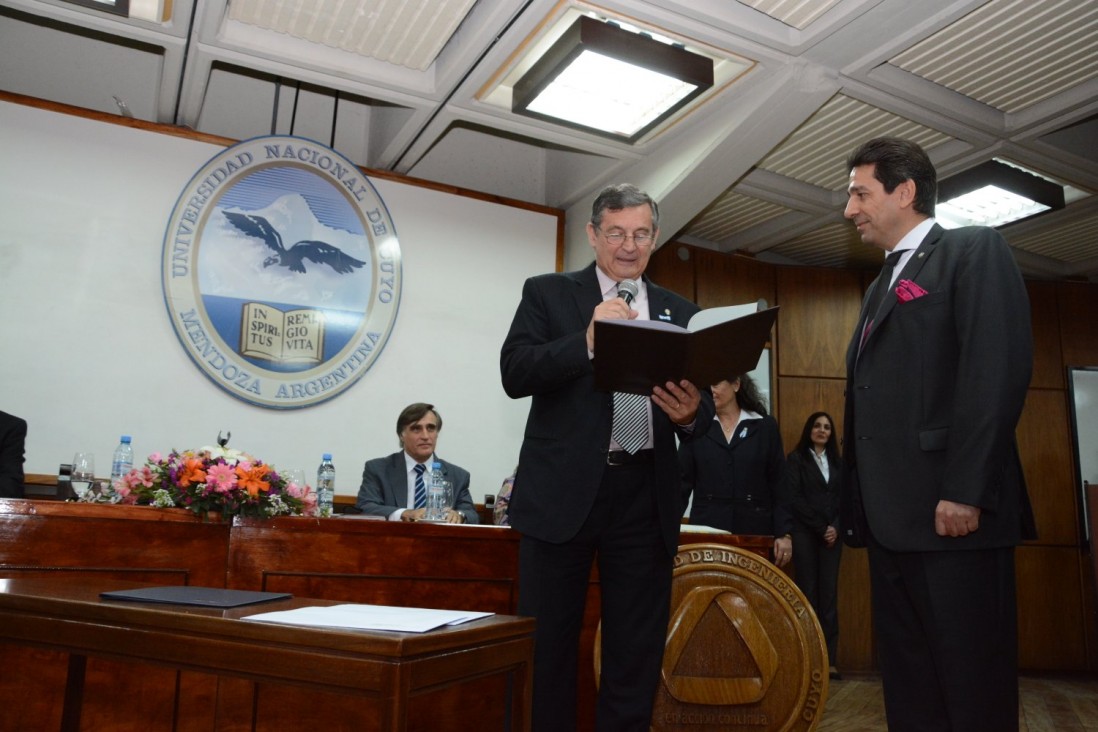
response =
{"points": [[815, 478], [736, 472]]}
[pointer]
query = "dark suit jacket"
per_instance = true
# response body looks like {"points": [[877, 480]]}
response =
{"points": [[384, 487], [815, 502], [933, 400], [738, 484], [567, 435], [13, 436]]}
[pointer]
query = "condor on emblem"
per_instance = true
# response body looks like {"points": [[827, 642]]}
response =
{"points": [[281, 271]]}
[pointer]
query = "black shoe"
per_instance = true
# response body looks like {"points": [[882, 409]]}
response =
{"points": [[834, 675]]}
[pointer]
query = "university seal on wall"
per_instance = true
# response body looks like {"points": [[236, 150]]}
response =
{"points": [[281, 272]]}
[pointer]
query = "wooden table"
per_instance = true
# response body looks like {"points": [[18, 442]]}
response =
{"points": [[387, 681]]}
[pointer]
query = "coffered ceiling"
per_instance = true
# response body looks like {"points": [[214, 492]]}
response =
{"points": [[422, 87]]}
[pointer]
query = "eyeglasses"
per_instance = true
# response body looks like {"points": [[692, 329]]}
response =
{"points": [[617, 238]]}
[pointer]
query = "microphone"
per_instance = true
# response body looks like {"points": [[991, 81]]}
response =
{"points": [[628, 290]]}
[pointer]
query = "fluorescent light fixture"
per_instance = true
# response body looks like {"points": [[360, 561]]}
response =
{"points": [[154, 11], [994, 194], [605, 79]]}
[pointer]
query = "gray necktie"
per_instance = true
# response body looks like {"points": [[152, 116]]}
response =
{"points": [[630, 421]]}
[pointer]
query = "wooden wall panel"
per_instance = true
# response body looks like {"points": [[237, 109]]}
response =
{"points": [[1078, 327], [856, 644], [1050, 609], [1048, 365], [819, 312], [1044, 442], [731, 280], [668, 269]]}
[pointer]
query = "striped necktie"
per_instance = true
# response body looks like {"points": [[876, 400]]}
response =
{"points": [[421, 489], [630, 428]]}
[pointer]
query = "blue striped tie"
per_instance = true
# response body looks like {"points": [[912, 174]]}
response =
{"points": [[630, 421], [421, 489]]}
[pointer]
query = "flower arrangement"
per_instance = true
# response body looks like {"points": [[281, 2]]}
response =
{"points": [[211, 480]]}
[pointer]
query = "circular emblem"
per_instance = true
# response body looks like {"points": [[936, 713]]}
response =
{"points": [[281, 271], [744, 649]]}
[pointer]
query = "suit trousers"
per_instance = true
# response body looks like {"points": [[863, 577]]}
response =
{"points": [[816, 567], [622, 533], [947, 637]]}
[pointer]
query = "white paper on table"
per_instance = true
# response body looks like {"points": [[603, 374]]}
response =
{"points": [[369, 617], [701, 529]]}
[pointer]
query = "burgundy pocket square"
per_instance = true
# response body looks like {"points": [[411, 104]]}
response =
{"points": [[907, 291]]}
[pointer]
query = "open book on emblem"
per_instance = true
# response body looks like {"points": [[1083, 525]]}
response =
{"points": [[296, 336], [719, 343]]}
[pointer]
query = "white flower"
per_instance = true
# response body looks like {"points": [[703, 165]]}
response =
{"points": [[228, 454]]}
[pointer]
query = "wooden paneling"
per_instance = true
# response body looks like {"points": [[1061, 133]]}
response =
{"points": [[732, 280], [1044, 442], [819, 312], [856, 644], [1050, 609], [1078, 326], [1048, 366], [668, 269]]}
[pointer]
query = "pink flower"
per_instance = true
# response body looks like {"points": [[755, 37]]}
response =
{"points": [[123, 490], [155, 457], [221, 477]]}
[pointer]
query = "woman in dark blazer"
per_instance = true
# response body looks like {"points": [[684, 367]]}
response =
{"points": [[736, 471], [815, 479]]}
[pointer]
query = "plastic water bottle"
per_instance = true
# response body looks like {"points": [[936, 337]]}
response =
{"points": [[437, 499], [123, 459], [325, 486]]}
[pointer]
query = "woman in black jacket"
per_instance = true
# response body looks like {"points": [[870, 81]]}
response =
{"points": [[815, 477], [736, 471]]}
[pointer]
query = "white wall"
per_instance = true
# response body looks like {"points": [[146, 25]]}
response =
{"points": [[89, 352]]}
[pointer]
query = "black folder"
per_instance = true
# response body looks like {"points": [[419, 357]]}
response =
{"points": [[187, 595], [635, 355]]}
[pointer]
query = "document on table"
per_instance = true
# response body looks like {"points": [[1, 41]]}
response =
{"points": [[369, 617]]}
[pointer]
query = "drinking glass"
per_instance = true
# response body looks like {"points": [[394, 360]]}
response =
{"points": [[83, 473], [297, 475]]}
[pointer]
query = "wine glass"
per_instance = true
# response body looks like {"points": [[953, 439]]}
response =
{"points": [[297, 475], [83, 473]]}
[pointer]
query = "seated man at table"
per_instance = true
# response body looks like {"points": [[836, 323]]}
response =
{"points": [[395, 487]]}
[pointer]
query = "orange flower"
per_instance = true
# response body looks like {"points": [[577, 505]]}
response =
{"points": [[191, 472], [251, 478]]}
